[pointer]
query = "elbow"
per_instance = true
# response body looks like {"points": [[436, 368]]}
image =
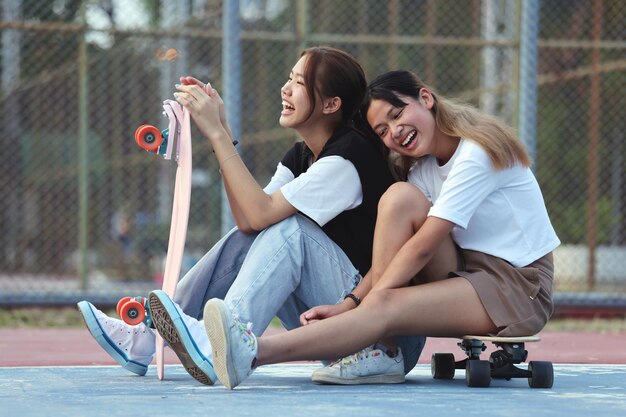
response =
{"points": [[260, 218], [246, 229], [264, 213], [243, 225], [254, 225], [423, 256], [257, 225]]}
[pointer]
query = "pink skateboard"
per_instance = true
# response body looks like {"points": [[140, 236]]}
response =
{"points": [[174, 142]]}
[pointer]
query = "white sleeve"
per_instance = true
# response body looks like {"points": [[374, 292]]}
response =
{"points": [[329, 187], [470, 181], [282, 176], [414, 177]]}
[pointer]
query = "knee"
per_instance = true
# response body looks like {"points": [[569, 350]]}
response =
{"points": [[402, 197], [237, 236], [288, 224], [284, 229]]}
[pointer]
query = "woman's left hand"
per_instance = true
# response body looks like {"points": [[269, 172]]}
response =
{"points": [[323, 312]]}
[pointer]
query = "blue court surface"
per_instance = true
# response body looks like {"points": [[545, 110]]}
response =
{"points": [[286, 390]]}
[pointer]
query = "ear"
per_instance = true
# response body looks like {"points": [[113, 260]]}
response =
{"points": [[331, 105], [427, 98]]}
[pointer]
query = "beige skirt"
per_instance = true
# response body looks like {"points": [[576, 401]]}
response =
{"points": [[518, 300]]}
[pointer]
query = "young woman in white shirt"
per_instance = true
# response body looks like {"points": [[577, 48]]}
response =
{"points": [[303, 240], [464, 246]]}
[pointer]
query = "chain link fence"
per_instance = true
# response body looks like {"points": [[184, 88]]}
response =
{"points": [[85, 212]]}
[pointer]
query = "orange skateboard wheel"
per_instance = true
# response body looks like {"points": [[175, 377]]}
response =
{"points": [[120, 304], [133, 312], [148, 137]]}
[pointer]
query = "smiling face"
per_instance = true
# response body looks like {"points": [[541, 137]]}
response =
{"points": [[409, 130], [296, 105]]}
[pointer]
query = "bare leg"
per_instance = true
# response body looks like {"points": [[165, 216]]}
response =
{"points": [[402, 210], [448, 307]]}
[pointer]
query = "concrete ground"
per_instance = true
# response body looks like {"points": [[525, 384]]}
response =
{"points": [[286, 390], [63, 372]]}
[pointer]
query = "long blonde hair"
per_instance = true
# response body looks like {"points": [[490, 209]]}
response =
{"points": [[452, 118]]}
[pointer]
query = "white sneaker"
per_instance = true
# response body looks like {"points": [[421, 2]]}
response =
{"points": [[369, 366], [184, 334], [131, 346], [234, 345]]}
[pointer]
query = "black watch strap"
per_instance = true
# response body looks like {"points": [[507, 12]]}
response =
{"points": [[354, 298]]}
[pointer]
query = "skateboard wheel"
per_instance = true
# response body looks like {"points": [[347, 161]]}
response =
{"points": [[120, 304], [133, 312], [442, 365], [477, 373], [148, 137], [541, 374]]}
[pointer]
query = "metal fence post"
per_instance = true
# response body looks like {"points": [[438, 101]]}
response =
{"points": [[10, 202], [231, 72], [595, 102], [527, 107], [83, 160]]}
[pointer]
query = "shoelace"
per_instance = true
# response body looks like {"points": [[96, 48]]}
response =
{"points": [[355, 357], [245, 331]]}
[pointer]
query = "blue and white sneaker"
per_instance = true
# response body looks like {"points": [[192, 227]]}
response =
{"points": [[184, 334], [235, 347], [131, 346]]}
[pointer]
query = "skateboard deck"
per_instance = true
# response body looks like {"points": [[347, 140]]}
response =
{"points": [[173, 143], [496, 339], [179, 123], [501, 363]]}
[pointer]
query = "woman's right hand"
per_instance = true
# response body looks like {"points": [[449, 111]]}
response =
{"points": [[210, 91], [325, 311], [203, 108]]}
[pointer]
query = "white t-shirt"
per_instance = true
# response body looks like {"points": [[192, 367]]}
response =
{"points": [[501, 213], [330, 186]]}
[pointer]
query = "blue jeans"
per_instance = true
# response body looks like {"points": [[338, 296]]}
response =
{"points": [[281, 271]]}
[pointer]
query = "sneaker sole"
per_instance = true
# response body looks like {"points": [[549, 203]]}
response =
{"points": [[84, 307], [170, 326], [215, 315], [372, 379]]}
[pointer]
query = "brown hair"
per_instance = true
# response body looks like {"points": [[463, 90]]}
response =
{"points": [[331, 72], [452, 118]]}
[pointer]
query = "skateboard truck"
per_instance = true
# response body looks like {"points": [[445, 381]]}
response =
{"points": [[161, 142]]}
